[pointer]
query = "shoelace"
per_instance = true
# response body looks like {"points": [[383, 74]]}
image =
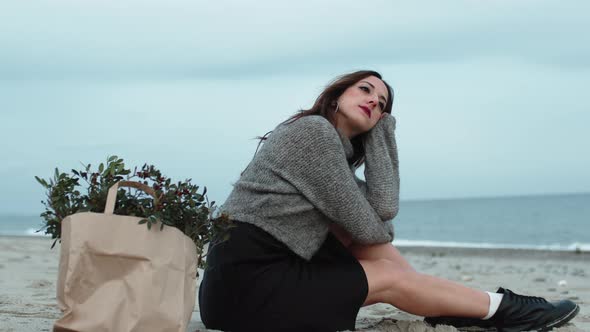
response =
{"points": [[529, 299]]}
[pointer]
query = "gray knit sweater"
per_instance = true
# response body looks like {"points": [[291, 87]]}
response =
{"points": [[300, 181]]}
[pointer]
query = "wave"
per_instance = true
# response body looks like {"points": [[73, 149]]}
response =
{"points": [[27, 232], [572, 247], [575, 246], [33, 232]]}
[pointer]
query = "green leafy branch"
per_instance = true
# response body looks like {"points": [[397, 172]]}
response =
{"points": [[178, 204]]}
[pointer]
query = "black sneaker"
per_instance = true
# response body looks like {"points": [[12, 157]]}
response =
{"points": [[465, 323], [530, 313], [517, 313]]}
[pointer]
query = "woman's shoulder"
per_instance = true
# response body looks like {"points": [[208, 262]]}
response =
{"points": [[310, 123]]}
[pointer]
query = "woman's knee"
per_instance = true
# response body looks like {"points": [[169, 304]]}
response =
{"points": [[380, 251], [385, 278]]}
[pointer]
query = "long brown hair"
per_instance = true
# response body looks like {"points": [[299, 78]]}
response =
{"points": [[325, 105]]}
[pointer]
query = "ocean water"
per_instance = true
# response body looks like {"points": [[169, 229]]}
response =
{"points": [[552, 222], [556, 222]]}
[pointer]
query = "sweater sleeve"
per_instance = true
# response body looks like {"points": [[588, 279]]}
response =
{"points": [[382, 169], [309, 154]]}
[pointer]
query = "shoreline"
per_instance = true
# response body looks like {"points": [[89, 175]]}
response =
{"points": [[486, 249], [504, 252]]}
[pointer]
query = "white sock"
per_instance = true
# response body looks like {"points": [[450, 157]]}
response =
{"points": [[495, 299]]}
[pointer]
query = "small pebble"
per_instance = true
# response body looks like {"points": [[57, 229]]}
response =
{"points": [[551, 289], [565, 292], [562, 283], [466, 278], [540, 280]]}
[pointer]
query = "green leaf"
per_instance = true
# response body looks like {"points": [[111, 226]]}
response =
{"points": [[41, 181], [186, 212]]}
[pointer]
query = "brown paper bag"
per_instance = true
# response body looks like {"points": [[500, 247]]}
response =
{"points": [[116, 275]]}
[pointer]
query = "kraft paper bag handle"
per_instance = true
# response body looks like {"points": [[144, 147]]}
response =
{"points": [[112, 194]]}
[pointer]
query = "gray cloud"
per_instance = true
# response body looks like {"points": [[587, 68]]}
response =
{"points": [[182, 39], [490, 95]]}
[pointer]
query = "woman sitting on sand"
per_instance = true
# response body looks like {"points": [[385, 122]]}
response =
{"points": [[312, 243]]}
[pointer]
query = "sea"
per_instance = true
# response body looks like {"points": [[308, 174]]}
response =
{"points": [[547, 222]]}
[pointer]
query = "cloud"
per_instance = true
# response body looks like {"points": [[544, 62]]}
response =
{"points": [[188, 39], [490, 95]]}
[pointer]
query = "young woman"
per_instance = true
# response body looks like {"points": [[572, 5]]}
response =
{"points": [[312, 242]]}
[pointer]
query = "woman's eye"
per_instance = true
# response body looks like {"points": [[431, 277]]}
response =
{"points": [[364, 88]]}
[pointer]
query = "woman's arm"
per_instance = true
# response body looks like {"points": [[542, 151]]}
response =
{"points": [[308, 153], [381, 169]]}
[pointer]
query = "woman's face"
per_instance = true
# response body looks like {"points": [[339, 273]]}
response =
{"points": [[361, 106]]}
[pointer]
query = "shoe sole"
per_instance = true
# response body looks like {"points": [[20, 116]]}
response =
{"points": [[476, 329], [549, 326], [561, 321]]}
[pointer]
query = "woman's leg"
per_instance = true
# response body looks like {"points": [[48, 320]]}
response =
{"points": [[370, 252], [421, 294], [380, 251], [393, 280]]}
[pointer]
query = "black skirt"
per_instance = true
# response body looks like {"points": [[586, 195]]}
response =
{"points": [[253, 282]]}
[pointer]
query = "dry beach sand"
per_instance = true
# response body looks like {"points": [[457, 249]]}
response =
{"points": [[28, 273]]}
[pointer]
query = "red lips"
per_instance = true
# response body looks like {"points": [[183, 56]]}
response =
{"points": [[367, 110]]}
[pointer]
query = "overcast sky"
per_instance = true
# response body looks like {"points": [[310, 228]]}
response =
{"points": [[491, 96]]}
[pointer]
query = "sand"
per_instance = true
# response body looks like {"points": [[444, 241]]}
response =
{"points": [[28, 273]]}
